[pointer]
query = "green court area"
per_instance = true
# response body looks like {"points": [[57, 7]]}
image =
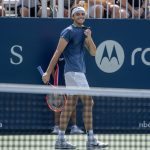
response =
{"points": [[47, 142]]}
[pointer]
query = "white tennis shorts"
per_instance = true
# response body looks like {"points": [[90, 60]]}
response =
{"points": [[76, 79]]}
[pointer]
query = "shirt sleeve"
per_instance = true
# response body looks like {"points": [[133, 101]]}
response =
{"points": [[66, 34]]}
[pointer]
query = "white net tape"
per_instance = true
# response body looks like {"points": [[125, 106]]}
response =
{"points": [[44, 89]]}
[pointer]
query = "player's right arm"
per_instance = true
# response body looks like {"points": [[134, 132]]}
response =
{"points": [[60, 48]]}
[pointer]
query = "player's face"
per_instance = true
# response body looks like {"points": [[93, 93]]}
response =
{"points": [[79, 18]]}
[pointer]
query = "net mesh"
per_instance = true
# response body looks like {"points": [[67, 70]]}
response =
{"points": [[120, 117]]}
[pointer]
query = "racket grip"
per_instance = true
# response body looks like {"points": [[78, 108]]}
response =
{"points": [[39, 68]]}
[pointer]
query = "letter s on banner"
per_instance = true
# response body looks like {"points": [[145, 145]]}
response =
{"points": [[14, 53]]}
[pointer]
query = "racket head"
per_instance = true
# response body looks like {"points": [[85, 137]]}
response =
{"points": [[56, 102]]}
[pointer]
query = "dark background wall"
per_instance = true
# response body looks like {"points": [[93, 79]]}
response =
{"points": [[27, 43]]}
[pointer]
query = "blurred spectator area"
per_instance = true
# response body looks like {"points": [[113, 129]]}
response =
{"points": [[10, 7], [107, 5]]}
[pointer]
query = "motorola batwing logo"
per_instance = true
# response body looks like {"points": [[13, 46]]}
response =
{"points": [[109, 56]]}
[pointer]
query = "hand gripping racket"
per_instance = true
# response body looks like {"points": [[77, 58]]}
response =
{"points": [[55, 102]]}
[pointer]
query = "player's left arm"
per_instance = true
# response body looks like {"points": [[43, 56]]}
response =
{"points": [[89, 43]]}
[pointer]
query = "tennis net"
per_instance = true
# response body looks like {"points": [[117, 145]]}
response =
{"points": [[120, 117]]}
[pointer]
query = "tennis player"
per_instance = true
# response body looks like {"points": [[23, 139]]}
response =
{"points": [[71, 44]]}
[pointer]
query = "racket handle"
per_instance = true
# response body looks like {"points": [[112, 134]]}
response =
{"points": [[39, 68]]}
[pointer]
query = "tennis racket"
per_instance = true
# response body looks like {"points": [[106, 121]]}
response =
{"points": [[55, 102]]}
